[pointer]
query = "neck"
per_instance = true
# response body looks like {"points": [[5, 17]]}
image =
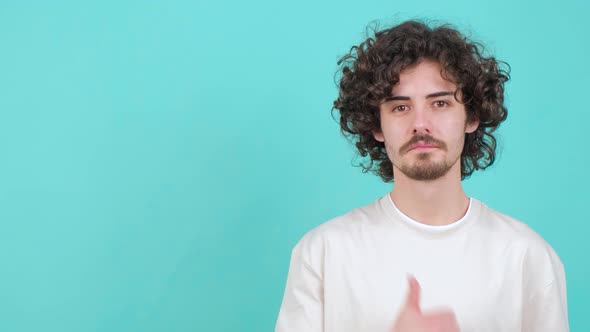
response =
{"points": [[437, 202]]}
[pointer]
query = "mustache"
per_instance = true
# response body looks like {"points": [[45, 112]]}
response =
{"points": [[422, 138]]}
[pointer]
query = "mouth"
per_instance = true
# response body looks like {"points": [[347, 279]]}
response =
{"points": [[422, 147]]}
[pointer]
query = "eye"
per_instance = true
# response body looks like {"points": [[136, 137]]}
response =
{"points": [[400, 108], [440, 104]]}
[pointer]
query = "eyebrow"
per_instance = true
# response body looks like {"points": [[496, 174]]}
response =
{"points": [[432, 95]]}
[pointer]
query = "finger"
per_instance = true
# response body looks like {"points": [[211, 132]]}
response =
{"points": [[443, 321], [413, 299]]}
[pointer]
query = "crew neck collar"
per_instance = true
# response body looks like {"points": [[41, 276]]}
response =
{"points": [[394, 212]]}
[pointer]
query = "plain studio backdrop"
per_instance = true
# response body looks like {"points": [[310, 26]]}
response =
{"points": [[160, 159]]}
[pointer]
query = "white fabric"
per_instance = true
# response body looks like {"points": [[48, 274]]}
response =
{"points": [[350, 273]]}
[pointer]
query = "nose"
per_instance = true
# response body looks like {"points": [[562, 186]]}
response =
{"points": [[422, 122]]}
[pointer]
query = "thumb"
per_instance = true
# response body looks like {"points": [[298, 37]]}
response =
{"points": [[413, 299]]}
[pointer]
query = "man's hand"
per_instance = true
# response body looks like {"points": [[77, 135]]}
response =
{"points": [[412, 319]]}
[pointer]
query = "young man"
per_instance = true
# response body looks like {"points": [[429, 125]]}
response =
{"points": [[423, 104]]}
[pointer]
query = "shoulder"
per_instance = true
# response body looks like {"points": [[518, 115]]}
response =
{"points": [[537, 254], [510, 227], [341, 229], [369, 215]]}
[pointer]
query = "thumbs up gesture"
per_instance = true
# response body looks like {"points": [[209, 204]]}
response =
{"points": [[412, 319]]}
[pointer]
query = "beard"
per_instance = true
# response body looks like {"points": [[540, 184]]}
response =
{"points": [[424, 169]]}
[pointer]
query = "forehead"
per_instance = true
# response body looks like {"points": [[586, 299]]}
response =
{"points": [[422, 79]]}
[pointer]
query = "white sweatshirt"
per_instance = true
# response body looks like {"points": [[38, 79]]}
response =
{"points": [[494, 272]]}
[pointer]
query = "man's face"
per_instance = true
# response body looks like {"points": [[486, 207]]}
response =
{"points": [[423, 126]]}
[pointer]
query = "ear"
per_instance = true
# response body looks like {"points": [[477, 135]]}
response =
{"points": [[471, 126], [378, 135]]}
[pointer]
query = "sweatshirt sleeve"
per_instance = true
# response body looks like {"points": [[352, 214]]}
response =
{"points": [[303, 302], [546, 307]]}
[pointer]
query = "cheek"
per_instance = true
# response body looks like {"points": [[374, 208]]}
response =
{"points": [[393, 137], [394, 127], [457, 138]]}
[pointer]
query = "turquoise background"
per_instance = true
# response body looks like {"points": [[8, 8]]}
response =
{"points": [[159, 160]]}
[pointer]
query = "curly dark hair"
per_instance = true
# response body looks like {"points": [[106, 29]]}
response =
{"points": [[371, 69]]}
